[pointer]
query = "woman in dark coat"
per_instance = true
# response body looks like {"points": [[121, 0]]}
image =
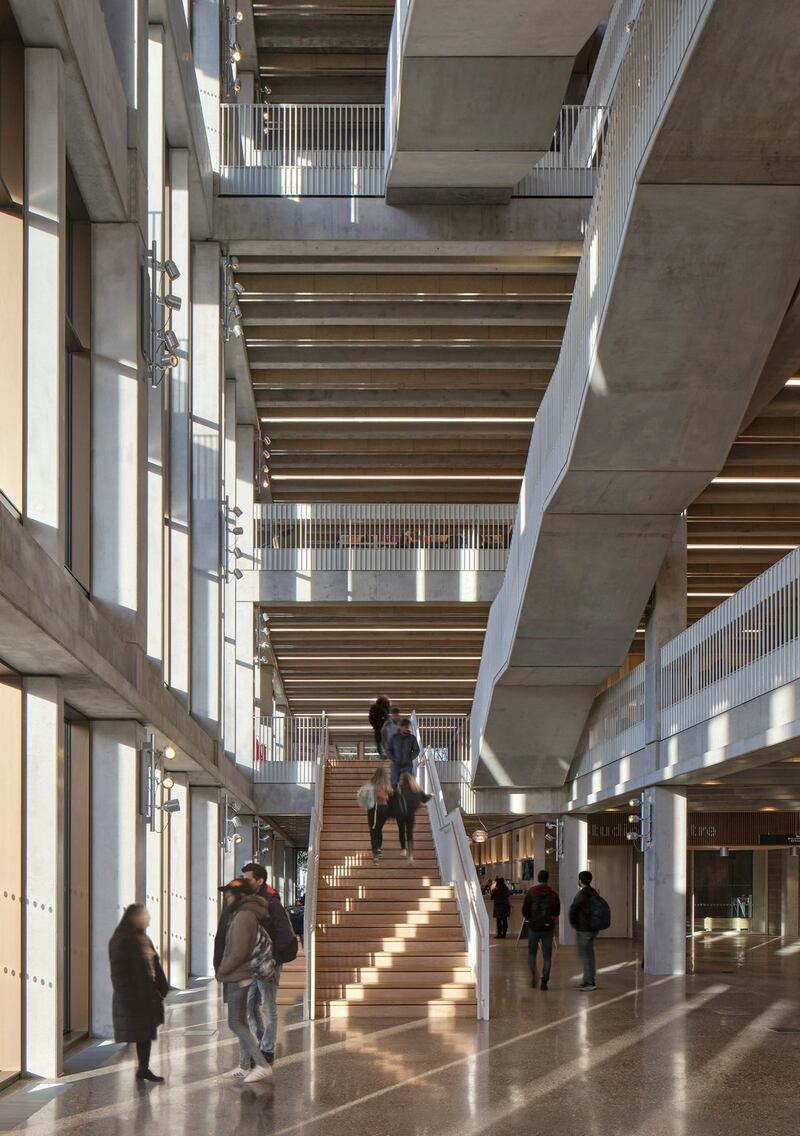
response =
{"points": [[501, 906], [140, 986]]}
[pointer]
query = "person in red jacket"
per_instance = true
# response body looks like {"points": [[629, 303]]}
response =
{"points": [[541, 907]]}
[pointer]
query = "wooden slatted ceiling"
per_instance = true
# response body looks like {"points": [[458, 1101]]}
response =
{"points": [[338, 657]]}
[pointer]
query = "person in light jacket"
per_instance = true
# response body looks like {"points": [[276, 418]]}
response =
{"points": [[139, 985], [236, 972]]}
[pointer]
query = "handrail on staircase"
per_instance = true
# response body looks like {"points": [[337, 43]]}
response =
{"points": [[312, 880], [458, 870]]}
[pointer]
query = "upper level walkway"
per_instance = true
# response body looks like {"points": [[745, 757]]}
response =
{"points": [[690, 262], [355, 552]]}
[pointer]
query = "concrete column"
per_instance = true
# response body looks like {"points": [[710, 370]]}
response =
{"points": [[574, 860], [118, 850], [179, 419], [204, 827], [790, 897], [43, 875], [45, 248], [206, 484], [178, 839], [153, 879], [760, 892], [206, 50], [155, 395], [230, 586], [118, 437], [665, 885], [539, 849], [665, 620]]}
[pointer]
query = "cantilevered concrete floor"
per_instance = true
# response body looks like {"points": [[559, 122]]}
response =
{"points": [[713, 1054]]}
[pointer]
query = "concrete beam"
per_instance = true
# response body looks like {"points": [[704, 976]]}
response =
{"points": [[335, 227], [400, 310]]}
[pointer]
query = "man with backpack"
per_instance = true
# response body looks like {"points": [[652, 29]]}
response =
{"points": [[262, 997], [541, 907], [588, 914]]}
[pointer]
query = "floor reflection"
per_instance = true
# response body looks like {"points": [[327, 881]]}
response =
{"points": [[706, 1054]]}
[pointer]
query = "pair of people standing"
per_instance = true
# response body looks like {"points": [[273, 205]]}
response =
{"points": [[381, 800], [257, 940], [589, 913]]}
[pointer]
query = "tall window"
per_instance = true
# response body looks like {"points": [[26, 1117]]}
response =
{"points": [[78, 386], [12, 166]]}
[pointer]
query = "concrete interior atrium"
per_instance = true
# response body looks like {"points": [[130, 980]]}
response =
{"points": [[440, 350]]}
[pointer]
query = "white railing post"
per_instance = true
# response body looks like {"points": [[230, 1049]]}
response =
{"points": [[312, 886]]}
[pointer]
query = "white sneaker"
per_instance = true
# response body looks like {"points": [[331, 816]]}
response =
{"points": [[235, 1074], [404, 853], [260, 1073]]}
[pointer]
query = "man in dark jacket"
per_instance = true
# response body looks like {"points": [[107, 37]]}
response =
{"points": [[262, 998], [378, 713], [541, 907], [403, 750], [580, 919]]}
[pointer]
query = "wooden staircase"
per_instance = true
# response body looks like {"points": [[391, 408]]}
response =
{"points": [[389, 940]]}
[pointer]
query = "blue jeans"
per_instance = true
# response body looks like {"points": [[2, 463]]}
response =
{"points": [[545, 938], [262, 1010], [585, 941], [398, 771]]}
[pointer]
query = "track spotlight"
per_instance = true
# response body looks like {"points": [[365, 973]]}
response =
{"points": [[171, 806], [170, 341], [173, 302], [169, 753], [238, 573], [237, 512], [237, 86], [236, 53], [171, 269], [167, 782], [239, 15], [166, 362], [238, 288]]}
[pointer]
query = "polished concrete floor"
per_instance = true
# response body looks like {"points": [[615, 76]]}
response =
{"points": [[714, 1054]]}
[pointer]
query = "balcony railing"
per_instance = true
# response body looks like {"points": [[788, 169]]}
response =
{"points": [[297, 150], [337, 150], [747, 646], [287, 749], [341, 537]]}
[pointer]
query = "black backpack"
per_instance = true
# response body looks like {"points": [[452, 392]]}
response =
{"points": [[599, 913], [541, 916], [279, 926]]}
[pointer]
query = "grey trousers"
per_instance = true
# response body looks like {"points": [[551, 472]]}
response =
{"points": [[236, 997]]}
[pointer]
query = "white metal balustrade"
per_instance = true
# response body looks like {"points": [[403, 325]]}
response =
{"points": [[299, 149], [288, 748], [457, 868], [445, 737], [341, 537], [337, 150], [616, 724], [746, 647], [569, 169]]}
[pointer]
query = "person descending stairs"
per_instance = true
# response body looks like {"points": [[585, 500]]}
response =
{"points": [[388, 938]]}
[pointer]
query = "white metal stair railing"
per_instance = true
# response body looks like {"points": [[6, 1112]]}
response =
{"points": [[746, 647], [299, 149], [656, 49], [300, 537], [312, 888], [457, 869], [286, 748]]}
